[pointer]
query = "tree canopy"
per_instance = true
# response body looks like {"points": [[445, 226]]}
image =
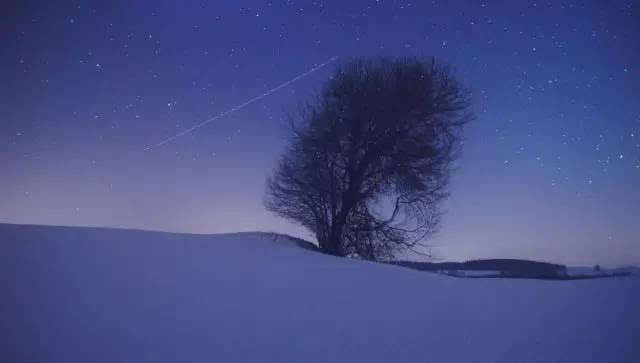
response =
{"points": [[369, 159]]}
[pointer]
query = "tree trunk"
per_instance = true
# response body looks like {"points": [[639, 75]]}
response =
{"points": [[334, 245], [335, 242]]}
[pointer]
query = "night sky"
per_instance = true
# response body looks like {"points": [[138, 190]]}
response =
{"points": [[550, 168]]}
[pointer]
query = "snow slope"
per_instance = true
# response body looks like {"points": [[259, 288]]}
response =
{"points": [[106, 295]]}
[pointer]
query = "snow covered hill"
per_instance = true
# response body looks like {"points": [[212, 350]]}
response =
{"points": [[106, 295]]}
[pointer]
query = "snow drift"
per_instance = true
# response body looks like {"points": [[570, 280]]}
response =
{"points": [[73, 294]]}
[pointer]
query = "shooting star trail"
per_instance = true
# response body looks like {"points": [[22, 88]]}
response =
{"points": [[242, 105]]}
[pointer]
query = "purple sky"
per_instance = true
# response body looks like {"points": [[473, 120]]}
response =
{"points": [[549, 165]]}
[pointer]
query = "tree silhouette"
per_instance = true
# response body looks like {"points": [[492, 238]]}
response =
{"points": [[368, 160]]}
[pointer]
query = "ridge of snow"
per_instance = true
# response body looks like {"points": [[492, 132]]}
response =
{"points": [[104, 295]]}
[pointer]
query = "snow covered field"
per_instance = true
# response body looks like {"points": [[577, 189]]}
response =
{"points": [[106, 295]]}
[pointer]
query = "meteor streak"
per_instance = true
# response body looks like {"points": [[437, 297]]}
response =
{"points": [[242, 105]]}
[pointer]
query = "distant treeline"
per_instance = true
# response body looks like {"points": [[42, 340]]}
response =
{"points": [[505, 267], [509, 267], [513, 268]]}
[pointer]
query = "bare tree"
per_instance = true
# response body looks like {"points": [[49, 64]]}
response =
{"points": [[368, 161]]}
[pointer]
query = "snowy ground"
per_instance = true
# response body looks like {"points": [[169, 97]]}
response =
{"points": [[101, 295], [470, 273], [591, 272]]}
